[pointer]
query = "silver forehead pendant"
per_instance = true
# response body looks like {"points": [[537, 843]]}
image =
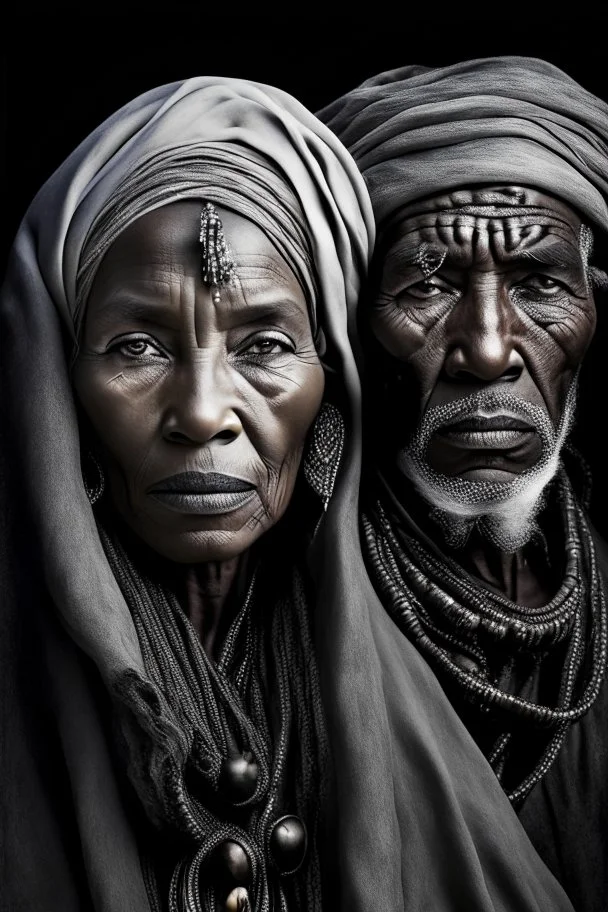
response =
{"points": [[217, 263]]}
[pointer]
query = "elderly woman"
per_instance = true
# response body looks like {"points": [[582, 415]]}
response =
{"points": [[177, 321], [176, 293], [489, 182]]}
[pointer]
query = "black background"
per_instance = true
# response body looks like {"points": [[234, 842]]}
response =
{"points": [[65, 71]]}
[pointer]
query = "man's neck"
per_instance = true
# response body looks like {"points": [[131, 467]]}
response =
{"points": [[523, 576], [526, 577]]}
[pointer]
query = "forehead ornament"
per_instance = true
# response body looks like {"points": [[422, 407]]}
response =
{"points": [[586, 243], [429, 259], [217, 263]]}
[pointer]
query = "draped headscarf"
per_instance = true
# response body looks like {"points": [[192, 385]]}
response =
{"points": [[419, 820], [415, 131], [251, 148]]}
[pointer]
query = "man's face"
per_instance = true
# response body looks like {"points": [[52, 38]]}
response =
{"points": [[485, 291]]}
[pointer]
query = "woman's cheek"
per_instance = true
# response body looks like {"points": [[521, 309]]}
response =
{"points": [[299, 410], [120, 412]]}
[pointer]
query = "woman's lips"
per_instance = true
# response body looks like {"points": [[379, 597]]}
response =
{"points": [[499, 432], [203, 493]]}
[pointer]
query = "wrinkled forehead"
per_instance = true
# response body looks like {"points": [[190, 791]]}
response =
{"points": [[500, 222], [481, 206]]}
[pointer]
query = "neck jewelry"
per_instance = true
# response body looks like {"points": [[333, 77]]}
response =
{"points": [[241, 794], [463, 628]]}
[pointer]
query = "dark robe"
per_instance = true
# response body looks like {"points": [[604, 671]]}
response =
{"points": [[566, 814]]}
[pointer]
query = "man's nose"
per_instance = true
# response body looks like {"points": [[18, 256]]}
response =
{"points": [[481, 337], [202, 404]]}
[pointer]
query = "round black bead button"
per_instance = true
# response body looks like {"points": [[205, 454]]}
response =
{"points": [[233, 863], [288, 841], [239, 778]]}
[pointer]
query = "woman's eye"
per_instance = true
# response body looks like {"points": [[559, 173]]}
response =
{"points": [[137, 348], [542, 284], [268, 344]]}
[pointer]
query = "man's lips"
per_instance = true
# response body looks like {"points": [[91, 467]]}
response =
{"points": [[203, 493], [496, 432]]}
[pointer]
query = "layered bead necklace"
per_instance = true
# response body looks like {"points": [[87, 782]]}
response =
{"points": [[460, 626], [245, 805]]}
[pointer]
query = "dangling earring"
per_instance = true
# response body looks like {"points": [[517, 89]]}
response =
{"points": [[322, 459], [93, 477]]}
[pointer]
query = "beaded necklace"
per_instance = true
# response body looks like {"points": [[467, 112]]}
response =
{"points": [[256, 746], [460, 626]]}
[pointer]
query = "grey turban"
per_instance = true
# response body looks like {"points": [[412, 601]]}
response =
{"points": [[416, 131]]}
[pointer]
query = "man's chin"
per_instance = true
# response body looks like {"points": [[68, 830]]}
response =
{"points": [[490, 473], [485, 464]]}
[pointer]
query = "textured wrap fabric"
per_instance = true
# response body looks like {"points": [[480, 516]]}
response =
{"points": [[420, 822], [68, 642], [416, 130]]}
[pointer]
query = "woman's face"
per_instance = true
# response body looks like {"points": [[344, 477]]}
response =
{"points": [[201, 406]]}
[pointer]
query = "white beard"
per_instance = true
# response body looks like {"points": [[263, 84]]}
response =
{"points": [[503, 511]]}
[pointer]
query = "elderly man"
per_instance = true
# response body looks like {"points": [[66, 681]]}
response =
{"points": [[489, 185]]}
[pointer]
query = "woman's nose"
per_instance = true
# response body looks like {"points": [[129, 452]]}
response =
{"points": [[202, 405], [481, 339]]}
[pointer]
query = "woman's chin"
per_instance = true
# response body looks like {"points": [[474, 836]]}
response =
{"points": [[190, 539], [198, 547]]}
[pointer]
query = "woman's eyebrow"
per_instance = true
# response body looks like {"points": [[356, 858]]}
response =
{"points": [[123, 306], [269, 306], [142, 308]]}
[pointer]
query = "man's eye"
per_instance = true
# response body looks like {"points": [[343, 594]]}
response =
{"points": [[428, 288], [268, 344], [542, 284]]}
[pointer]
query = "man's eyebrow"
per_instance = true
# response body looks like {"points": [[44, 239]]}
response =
{"points": [[559, 254], [412, 255]]}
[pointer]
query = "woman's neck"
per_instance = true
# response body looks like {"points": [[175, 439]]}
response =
{"points": [[209, 601]]}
